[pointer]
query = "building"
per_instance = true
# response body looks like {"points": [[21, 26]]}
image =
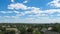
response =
{"points": [[46, 31], [14, 29], [51, 32]]}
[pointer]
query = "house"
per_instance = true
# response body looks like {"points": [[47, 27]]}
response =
{"points": [[50, 28], [51, 32], [46, 31], [14, 29]]}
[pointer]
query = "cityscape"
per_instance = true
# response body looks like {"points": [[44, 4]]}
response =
{"points": [[21, 28]]}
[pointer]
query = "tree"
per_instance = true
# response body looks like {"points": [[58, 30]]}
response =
{"points": [[22, 30], [10, 32], [36, 32], [56, 27]]}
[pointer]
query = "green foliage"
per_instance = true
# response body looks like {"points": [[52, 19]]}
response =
{"points": [[9, 32], [36, 32], [1, 32], [30, 30], [56, 28], [31, 27], [22, 30]]}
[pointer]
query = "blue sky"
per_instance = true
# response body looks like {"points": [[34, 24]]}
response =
{"points": [[29, 11]]}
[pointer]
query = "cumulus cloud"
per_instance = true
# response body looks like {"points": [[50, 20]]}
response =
{"points": [[51, 11], [7, 12], [25, 1], [16, 12], [3, 12], [31, 18], [37, 12], [33, 14], [12, 0], [54, 3], [6, 16], [17, 6]]}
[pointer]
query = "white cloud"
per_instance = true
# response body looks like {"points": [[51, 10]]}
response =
{"points": [[58, 15], [5, 12], [25, 1], [21, 6], [36, 15], [17, 6], [33, 10], [16, 12], [36, 10], [6, 16], [28, 10], [51, 11], [12, 0], [30, 20], [54, 3]]}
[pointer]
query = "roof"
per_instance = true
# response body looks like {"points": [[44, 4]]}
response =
{"points": [[45, 31], [12, 29], [51, 32]]}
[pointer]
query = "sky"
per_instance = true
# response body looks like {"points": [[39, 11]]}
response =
{"points": [[29, 11]]}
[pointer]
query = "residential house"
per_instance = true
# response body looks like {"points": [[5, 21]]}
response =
{"points": [[48, 31]]}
